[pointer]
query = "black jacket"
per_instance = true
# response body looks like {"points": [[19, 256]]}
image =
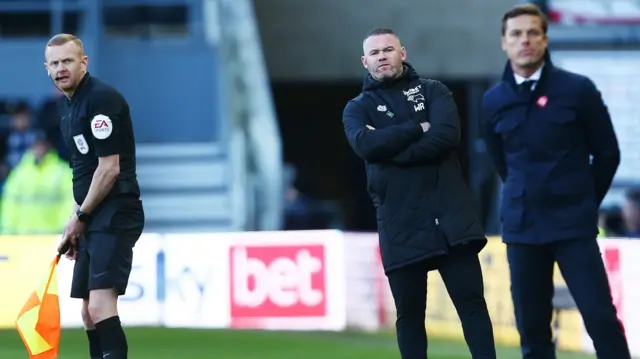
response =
{"points": [[414, 179], [541, 144]]}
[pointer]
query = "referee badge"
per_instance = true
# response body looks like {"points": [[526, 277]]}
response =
{"points": [[81, 144]]}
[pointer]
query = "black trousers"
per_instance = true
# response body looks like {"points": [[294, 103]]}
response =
{"points": [[581, 265], [462, 276]]}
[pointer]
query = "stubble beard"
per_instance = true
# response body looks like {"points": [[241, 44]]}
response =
{"points": [[393, 74]]}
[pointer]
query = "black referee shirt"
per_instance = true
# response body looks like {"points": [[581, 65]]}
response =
{"points": [[96, 123]]}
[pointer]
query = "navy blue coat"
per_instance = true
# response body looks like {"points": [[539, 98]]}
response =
{"points": [[422, 202], [541, 145]]}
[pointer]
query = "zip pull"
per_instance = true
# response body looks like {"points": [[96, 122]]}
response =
{"points": [[437, 222]]}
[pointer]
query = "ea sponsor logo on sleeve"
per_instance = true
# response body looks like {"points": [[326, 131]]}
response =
{"points": [[278, 281], [101, 127]]}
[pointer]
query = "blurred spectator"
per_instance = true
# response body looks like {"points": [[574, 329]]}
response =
{"points": [[49, 117], [4, 135], [4, 172], [22, 133], [38, 194], [304, 213], [631, 213], [610, 222]]}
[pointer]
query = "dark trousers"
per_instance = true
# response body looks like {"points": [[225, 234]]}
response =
{"points": [[581, 265], [462, 276]]}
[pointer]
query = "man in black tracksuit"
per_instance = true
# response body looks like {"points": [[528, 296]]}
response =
{"points": [[407, 129], [542, 124]]}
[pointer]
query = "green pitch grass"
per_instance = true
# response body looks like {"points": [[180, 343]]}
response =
{"points": [[161, 343]]}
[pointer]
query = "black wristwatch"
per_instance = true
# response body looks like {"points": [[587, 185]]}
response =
{"points": [[83, 217]]}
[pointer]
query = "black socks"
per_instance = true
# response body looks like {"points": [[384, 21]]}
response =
{"points": [[113, 342], [95, 349]]}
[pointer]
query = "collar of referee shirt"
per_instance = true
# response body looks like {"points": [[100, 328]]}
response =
{"points": [[507, 75], [81, 89]]}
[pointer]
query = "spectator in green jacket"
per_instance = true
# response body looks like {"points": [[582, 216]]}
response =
{"points": [[38, 194]]}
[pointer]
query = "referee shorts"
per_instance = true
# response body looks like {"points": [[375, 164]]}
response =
{"points": [[105, 252]]}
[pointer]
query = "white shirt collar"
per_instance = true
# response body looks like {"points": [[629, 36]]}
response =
{"points": [[535, 77]]}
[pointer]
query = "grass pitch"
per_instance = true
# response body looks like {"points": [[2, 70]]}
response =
{"points": [[163, 343]]}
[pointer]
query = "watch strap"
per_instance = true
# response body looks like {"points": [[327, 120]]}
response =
{"points": [[82, 216]]}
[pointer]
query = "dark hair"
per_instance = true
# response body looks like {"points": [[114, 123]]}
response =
{"points": [[19, 107], [380, 31], [525, 9]]}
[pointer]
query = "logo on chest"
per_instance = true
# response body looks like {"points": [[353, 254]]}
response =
{"points": [[542, 101], [383, 108], [81, 144], [415, 95]]}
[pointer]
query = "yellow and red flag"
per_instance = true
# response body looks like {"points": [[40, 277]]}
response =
{"points": [[39, 320]]}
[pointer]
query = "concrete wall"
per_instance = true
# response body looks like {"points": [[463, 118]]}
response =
{"points": [[321, 39]]}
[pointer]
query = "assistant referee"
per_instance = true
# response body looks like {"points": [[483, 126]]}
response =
{"points": [[109, 218]]}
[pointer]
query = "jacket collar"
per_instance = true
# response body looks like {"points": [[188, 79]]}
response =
{"points": [[29, 160], [408, 74], [509, 78]]}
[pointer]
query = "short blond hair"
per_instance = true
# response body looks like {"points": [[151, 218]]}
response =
{"points": [[61, 39]]}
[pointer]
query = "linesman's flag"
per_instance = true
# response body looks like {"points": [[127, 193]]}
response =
{"points": [[39, 320]]}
